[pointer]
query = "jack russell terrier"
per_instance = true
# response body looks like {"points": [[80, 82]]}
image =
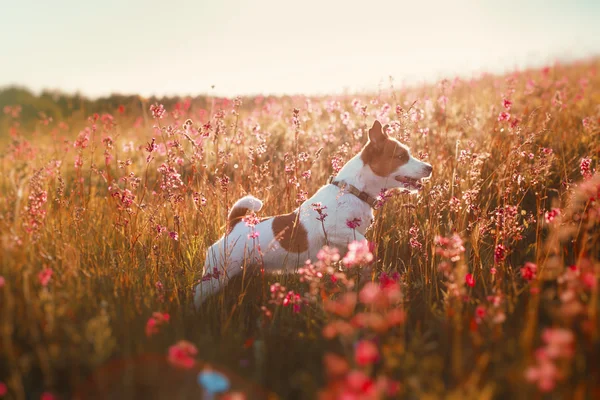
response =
{"points": [[284, 242]]}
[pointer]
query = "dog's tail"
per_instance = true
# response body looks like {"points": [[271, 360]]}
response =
{"points": [[241, 208]]}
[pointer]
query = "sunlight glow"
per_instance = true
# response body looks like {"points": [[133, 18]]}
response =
{"points": [[274, 46]]}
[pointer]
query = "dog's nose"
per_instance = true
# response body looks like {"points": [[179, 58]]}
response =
{"points": [[427, 169]]}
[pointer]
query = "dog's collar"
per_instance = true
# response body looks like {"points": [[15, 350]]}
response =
{"points": [[364, 196]]}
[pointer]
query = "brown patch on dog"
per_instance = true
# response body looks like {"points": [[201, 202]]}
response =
{"points": [[290, 233], [235, 216], [383, 154]]}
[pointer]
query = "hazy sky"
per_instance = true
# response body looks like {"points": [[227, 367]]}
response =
{"points": [[280, 46]]}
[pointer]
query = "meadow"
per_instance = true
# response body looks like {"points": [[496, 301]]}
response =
{"points": [[482, 286]]}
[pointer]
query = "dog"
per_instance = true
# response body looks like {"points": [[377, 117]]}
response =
{"points": [[284, 242]]}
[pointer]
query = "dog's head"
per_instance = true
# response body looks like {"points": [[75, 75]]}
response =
{"points": [[391, 161]]}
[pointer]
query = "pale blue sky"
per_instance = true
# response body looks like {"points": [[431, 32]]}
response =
{"points": [[280, 46]]}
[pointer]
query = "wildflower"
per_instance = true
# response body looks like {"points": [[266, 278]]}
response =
{"points": [[451, 247], [585, 167], [499, 253], [359, 383], [182, 354], [319, 208], [559, 345], [2, 281], [344, 307], [507, 104], [155, 321], [528, 271], [158, 111], [386, 280], [335, 365], [369, 293], [503, 116], [470, 280], [365, 353], [152, 146], [337, 163], [328, 255], [44, 276], [251, 220], [551, 215], [414, 237], [480, 313], [338, 327], [173, 235], [588, 279], [353, 223], [358, 253], [382, 198]]}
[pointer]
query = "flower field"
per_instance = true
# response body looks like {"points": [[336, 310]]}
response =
{"points": [[484, 285]]}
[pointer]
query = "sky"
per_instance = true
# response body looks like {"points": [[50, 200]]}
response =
{"points": [[177, 47]]}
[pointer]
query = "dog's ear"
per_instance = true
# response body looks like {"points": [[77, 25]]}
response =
{"points": [[377, 134]]}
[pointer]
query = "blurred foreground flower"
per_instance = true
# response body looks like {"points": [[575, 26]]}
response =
{"points": [[182, 354]]}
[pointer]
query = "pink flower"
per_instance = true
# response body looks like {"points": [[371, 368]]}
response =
{"points": [[451, 247], [499, 254], [328, 255], [173, 235], [503, 116], [353, 223], [158, 111], [157, 319], [480, 313], [366, 353], [588, 279], [369, 293], [528, 271], [585, 167], [344, 307], [359, 382], [358, 253], [335, 365], [470, 280], [336, 328], [551, 215], [182, 354], [320, 209], [44, 276], [507, 104]]}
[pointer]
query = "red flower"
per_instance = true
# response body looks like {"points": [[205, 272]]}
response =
{"points": [[528, 271], [366, 353], [44, 276], [503, 116], [470, 280], [155, 321], [182, 354]]}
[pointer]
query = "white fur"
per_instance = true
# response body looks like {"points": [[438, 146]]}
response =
{"points": [[233, 252], [250, 202]]}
